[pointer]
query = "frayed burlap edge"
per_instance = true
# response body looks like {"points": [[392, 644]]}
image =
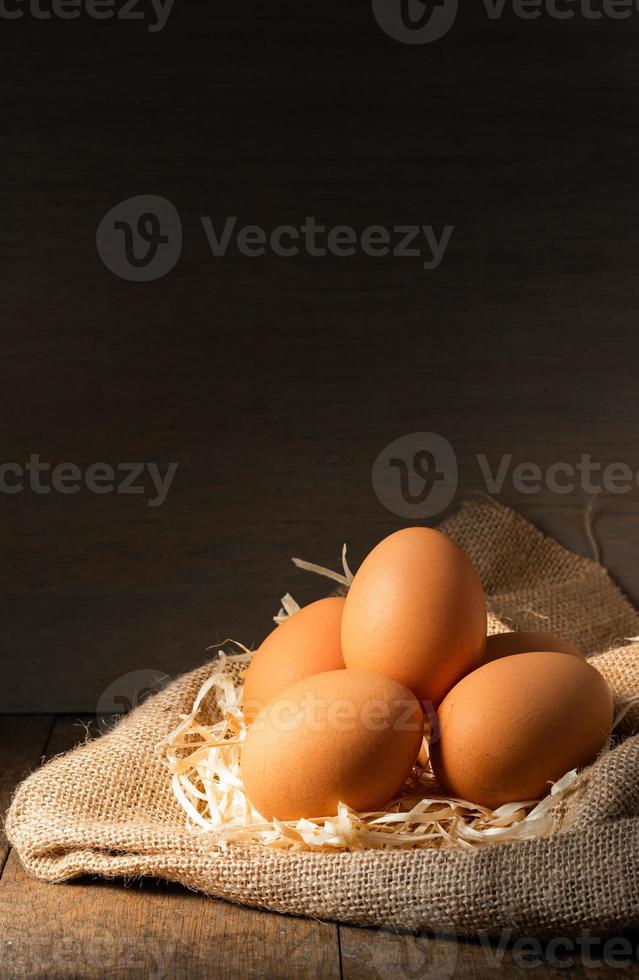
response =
{"points": [[107, 807]]}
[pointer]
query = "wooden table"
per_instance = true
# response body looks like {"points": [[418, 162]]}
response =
{"points": [[275, 383], [93, 928]]}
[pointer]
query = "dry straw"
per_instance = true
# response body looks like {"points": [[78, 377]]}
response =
{"points": [[204, 761], [108, 808]]}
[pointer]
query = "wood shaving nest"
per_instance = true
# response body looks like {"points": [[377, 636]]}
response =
{"points": [[204, 762]]}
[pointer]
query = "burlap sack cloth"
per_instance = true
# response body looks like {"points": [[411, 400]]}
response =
{"points": [[107, 808]]}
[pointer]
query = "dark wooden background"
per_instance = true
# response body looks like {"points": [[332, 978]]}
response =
{"points": [[272, 382]]}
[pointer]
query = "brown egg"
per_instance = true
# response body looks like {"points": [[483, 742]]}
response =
{"points": [[416, 612], [345, 736], [515, 725], [306, 643], [507, 644]]}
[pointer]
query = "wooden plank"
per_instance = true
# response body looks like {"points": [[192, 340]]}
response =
{"points": [[377, 954], [93, 928], [149, 929], [154, 929], [274, 383], [68, 731], [167, 627], [22, 743]]}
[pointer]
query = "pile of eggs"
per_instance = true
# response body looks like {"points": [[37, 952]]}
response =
{"points": [[343, 699]]}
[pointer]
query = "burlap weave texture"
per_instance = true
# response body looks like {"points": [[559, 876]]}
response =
{"points": [[107, 807]]}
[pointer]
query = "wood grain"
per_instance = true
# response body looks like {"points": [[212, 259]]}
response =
{"points": [[146, 928], [275, 383], [93, 928], [369, 954], [23, 739]]}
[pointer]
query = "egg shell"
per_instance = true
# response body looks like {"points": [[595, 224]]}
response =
{"points": [[507, 644], [341, 736], [306, 643], [416, 612], [513, 726]]}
